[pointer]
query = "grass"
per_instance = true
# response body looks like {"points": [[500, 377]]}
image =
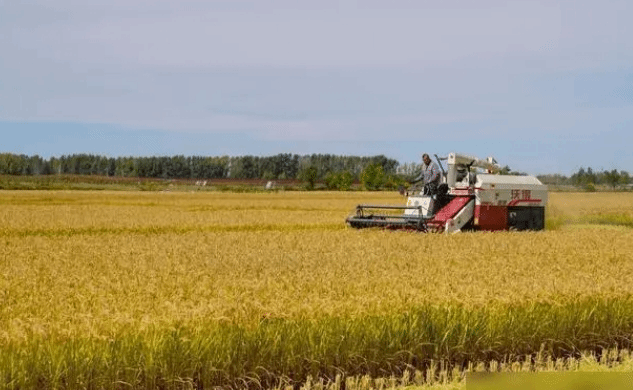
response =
{"points": [[194, 290], [67, 182], [607, 209], [430, 340]]}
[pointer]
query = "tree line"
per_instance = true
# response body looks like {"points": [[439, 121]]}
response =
{"points": [[335, 171], [280, 166], [589, 179]]}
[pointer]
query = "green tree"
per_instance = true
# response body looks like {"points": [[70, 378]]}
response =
{"points": [[345, 180], [505, 170], [309, 176], [111, 167], [341, 181], [249, 167], [612, 178], [392, 182], [125, 167], [12, 164], [591, 176], [331, 180], [578, 178], [625, 179], [373, 177], [46, 168]]}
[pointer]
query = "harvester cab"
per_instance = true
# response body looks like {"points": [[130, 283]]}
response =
{"points": [[472, 196]]}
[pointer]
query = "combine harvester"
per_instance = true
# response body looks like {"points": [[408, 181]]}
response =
{"points": [[467, 199]]}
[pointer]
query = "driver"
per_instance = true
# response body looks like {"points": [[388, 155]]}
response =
{"points": [[430, 174]]}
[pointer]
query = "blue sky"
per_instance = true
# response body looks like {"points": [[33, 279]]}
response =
{"points": [[544, 87]]}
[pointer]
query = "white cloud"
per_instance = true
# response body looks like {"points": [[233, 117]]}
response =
{"points": [[406, 34], [286, 70], [172, 34]]}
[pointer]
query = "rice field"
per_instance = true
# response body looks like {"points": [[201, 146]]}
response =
{"points": [[144, 290]]}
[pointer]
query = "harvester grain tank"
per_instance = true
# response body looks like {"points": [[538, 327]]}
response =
{"points": [[472, 196]]}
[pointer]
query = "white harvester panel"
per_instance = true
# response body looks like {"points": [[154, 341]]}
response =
{"points": [[509, 202], [426, 202], [461, 219], [506, 190]]}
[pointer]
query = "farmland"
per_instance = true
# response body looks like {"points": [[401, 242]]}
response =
{"points": [[181, 289]]}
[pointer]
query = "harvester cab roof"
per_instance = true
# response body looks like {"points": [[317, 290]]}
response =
{"points": [[473, 196]]}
